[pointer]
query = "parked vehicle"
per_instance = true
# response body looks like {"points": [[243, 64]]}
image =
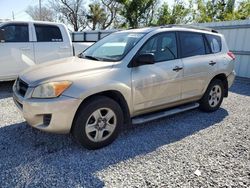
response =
{"points": [[23, 44], [87, 38], [132, 76]]}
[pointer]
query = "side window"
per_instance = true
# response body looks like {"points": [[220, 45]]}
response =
{"points": [[163, 46], [192, 44], [150, 46], [47, 33], [214, 43], [16, 33]]}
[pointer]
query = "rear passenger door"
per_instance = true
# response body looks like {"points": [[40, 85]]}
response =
{"points": [[49, 43], [199, 64], [214, 42]]}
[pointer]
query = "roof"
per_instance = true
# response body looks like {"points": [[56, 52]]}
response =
{"points": [[195, 27], [36, 22], [140, 30], [172, 27]]}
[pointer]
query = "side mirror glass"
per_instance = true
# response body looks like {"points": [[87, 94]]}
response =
{"points": [[144, 59], [2, 38]]}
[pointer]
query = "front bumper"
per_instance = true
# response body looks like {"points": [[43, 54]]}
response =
{"points": [[231, 78], [50, 115]]}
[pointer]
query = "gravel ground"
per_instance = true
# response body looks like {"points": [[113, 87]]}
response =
{"points": [[192, 149]]}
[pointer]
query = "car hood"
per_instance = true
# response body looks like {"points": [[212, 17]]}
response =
{"points": [[63, 69]]}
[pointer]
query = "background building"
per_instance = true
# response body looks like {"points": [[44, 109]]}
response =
{"points": [[237, 34]]}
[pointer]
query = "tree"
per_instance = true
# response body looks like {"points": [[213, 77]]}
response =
{"points": [[221, 10], [71, 12], [136, 12], [102, 15], [243, 11], [96, 15], [46, 13], [111, 7], [205, 11], [230, 6], [178, 14]]}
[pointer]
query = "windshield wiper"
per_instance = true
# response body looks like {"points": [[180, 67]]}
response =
{"points": [[91, 57]]}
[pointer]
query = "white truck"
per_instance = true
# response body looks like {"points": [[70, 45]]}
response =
{"points": [[23, 44]]}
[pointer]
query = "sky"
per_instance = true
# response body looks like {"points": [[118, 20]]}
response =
{"points": [[18, 7]]}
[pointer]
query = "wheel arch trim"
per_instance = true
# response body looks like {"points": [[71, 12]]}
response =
{"points": [[114, 95]]}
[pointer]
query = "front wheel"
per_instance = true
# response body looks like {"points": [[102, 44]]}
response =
{"points": [[213, 96], [98, 122]]}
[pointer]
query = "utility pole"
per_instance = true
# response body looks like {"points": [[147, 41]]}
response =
{"points": [[40, 11], [13, 15]]}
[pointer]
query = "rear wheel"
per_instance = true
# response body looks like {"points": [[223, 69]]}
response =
{"points": [[213, 96], [98, 122]]}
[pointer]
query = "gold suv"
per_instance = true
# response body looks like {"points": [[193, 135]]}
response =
{"points": [[131, 76]]}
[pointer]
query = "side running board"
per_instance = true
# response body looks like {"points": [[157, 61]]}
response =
{"points": [[157, 115]]}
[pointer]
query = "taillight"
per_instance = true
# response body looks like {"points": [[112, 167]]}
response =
{"points": [[230, 54]]}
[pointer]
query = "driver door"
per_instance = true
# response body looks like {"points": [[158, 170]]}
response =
{"points": [[158, 84]]}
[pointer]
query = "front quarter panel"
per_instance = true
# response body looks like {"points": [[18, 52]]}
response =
{"points": [[115, 80]]}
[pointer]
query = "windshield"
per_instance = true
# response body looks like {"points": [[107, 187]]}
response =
{"points": [[113, 47]]}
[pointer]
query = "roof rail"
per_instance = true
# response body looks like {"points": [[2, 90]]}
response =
{"points": [[190, 27]]}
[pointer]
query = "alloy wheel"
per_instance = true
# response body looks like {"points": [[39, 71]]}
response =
{"points": [[215, 96], [101, 124]]}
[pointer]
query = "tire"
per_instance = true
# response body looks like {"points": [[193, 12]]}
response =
{"points": [[213, 96], [97, 122]]}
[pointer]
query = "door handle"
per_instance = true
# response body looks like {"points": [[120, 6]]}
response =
{"points": [[25, 48], [212, 63], [177, 68]]}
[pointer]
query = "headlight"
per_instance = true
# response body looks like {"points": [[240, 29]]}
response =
{"points": [[51, 89]]}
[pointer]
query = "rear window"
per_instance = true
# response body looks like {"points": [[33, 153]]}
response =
{"points": [[47, 33], [214, 43], [192, 44]]}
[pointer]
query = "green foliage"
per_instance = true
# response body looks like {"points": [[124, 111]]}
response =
{"points": [[243, 11], [221, 10], [96, 15], [175, 15], [207, 11], [103, 14], [136, 12]]}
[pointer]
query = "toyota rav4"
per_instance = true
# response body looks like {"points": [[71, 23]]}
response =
{"points": [[131, 76]]}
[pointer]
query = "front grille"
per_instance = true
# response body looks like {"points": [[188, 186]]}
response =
{"points": [[21, 87]]}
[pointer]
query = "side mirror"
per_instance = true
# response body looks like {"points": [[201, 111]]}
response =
{"points": [[144, 59], [2, 38]]}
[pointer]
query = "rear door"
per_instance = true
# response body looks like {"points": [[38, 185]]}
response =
{"points": [[215, 44], [199, 64], [16, 50], [49, 43], [160, 83]]}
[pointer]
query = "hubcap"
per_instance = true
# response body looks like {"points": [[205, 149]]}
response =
{"points": [[101, 124], [215, 96]]}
